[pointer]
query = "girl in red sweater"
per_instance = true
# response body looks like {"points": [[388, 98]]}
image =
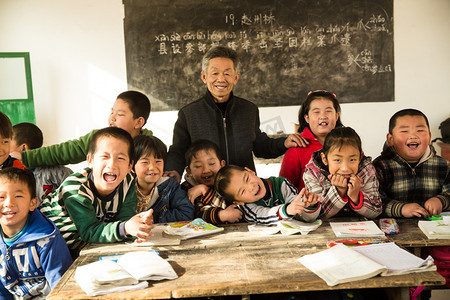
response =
{"points": [[318, 115]]}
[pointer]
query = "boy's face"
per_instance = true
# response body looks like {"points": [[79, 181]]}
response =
{"points": [[5, 146], [122, 117], [204, 167], [149, 169], [110, 164], [410, 137], [246, 187], [15, 203], [343, 161]]}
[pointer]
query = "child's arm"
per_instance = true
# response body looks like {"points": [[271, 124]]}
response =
{"points": [[231, 214], [197, 191], [55, 258], [433, 206], [70, 152], [318, 183], [140, 225], [254, 213], [305, 204], [368, 196]]}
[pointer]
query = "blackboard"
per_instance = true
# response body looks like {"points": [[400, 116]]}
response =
{"points": [[286, 47]]}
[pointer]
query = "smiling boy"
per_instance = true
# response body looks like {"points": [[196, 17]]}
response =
{"points": [[203, 161], [414, 181], [33, 256], [265, 201], [129, 112], [99, 205]]}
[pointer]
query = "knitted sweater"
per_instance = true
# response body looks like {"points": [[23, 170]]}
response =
{"points": [[69, 152], [35, 262], [272, 207], [316, 181], [207, 206], [296, 158], [401, 184], [81, 216], [236, 133]]}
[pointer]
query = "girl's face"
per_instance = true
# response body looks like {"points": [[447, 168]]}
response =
{"points": [[321, 117], [343, 161], [149, 169]]}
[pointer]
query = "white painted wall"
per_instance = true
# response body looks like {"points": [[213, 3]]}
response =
{"points": [[78, 68]]}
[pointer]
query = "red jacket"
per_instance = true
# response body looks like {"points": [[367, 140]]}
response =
{"points": [[296, 159]]}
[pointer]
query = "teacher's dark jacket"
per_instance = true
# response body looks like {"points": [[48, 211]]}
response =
{"points": [[236, 133]]}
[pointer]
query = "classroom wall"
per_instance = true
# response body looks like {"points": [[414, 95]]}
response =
{"points": [[78, 68]]}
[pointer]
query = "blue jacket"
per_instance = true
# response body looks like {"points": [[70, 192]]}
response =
{"points": [[172, 203], [35, 262]]}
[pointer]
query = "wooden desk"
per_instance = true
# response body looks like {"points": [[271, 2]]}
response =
{"points": [[237, 262]]}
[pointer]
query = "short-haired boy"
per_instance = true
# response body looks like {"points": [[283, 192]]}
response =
{"points": [[6, 133], [203, 161], [34, 255], [27, 136], [130, 112], [161, 193], [414, 181], [266, 201], [99, 205]]}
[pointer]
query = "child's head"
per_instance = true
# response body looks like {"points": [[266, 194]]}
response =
{"points": [[320, 112], [203, 161], [17, 199], [150, 153], [235, 183], [110, 156], [342, 151], [409, 134], [26, 136], [130, 112], [5, 137]]}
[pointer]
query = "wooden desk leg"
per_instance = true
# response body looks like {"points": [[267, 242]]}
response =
{"points": [[245, 297]]}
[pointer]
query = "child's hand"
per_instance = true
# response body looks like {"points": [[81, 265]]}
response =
{"points": [[310, 198], [196, 191], [231, 214], [414, 210], [140, 225], [340, 182], [433, 206], [354, 186], [297, 205]]}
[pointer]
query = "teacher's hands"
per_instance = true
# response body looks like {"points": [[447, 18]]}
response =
{"points": [[295, 140]]}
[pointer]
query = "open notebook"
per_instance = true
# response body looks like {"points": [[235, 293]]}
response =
{"points": [[341, 264]]}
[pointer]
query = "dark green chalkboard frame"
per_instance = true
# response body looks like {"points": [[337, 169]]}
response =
{"points": [[20, 110]]}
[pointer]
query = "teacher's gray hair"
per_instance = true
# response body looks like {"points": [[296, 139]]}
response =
{"points": [[220, 51]]}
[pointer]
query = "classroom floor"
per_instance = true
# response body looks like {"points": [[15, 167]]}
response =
{"points": [[440, 294]]}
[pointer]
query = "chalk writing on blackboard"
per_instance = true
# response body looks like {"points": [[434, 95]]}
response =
{"points": [[287, 48]]}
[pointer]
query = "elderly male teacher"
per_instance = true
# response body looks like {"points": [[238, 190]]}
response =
{"points": [[229, 121]]}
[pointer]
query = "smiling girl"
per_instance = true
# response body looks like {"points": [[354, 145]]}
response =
{"points": [[344, 177], [318, 115]]}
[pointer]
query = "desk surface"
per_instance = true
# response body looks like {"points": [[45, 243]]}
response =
{"points": [[237, 262]]}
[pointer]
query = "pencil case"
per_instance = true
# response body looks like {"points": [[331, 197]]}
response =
{"points": [[389, 226]]}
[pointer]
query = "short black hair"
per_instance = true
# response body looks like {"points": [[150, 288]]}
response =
{"points": [[146, 145], [306, 106], [28, 133], [114, 132], [223, 178], [200, 145], [5, 126], [21, 175], [406, 112], [139, 104], [341, 136]]}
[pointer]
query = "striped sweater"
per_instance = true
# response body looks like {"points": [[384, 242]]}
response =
{"points": [[83, 218]]}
